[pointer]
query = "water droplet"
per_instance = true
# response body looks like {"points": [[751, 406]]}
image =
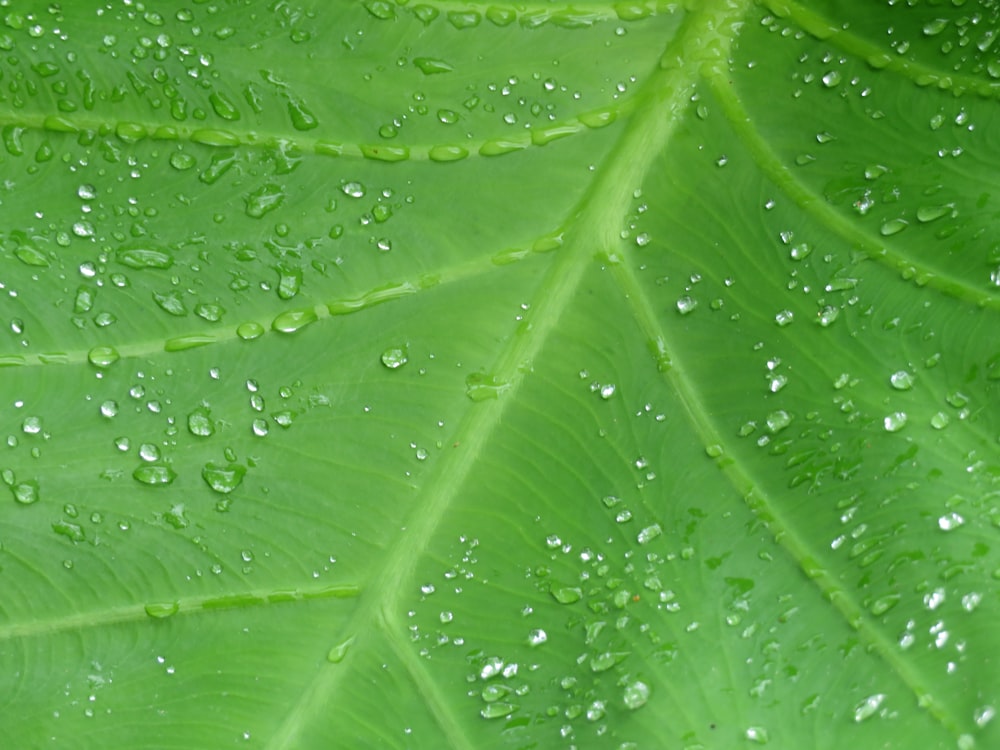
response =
{"points": [[883, 604], [223, 479], [784, 317], [154, 474], [353, 189], [336, 654], [607, 391], [537, 637], [828, 315], [250, 330], [930, 213], [161, 610], [686, 304], [102, 356], [293, 321], [757, 735], [181, 160], [481, 387], [145, 257], [800, 251], [895, 422], [497, 710], [935, 26], [778, 420], [200, 423], [984, 715], [901, 380], [831, 79], [636, 694], [607, 659], [867, 707], [940, 420], [25, 493], [649, 533], [950, 521], [432, 65], [566, 594], [264, 199], [892, 226]]}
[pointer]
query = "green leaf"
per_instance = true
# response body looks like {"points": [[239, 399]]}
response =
{"points": [[446, 374]]}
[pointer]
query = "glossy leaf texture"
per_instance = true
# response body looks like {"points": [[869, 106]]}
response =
{"points": [[473, 375]]}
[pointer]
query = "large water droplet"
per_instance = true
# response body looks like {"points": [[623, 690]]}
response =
{"points": [[901, 380], [636, 694], [895, 422], [25, 493], [395, 357], [155, 474], [102, 356], [223, 479]]}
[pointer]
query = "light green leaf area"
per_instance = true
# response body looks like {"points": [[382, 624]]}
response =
{"points": [[470, 375]]}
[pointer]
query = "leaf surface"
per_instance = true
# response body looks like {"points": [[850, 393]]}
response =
{"points": [[465, 375]]}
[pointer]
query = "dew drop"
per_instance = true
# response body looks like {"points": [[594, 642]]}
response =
{"points": [[250, 330], [950, 521], [155, 474], [161, 610], [686, 305], [25, 493], [895, 422], [901, 380], [223, 479], [337, 654], [636, 695], [867, 707], [892, 226], [102, 356]]}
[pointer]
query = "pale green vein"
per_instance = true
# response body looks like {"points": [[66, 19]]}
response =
{"points": [[288, 321], [596, 224], [878, 57], [763, 505], [922, 273], [15, 122], [467, 14], [188, 605]]}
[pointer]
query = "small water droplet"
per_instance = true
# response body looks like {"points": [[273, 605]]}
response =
{"points": [[867, 707], [892, 226], [250, 330], [337, 654], [757, 735], [161, 610], [497, 710], [537, 637], [950, 521], [895, 422], [566, 594], [901, 380]]}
